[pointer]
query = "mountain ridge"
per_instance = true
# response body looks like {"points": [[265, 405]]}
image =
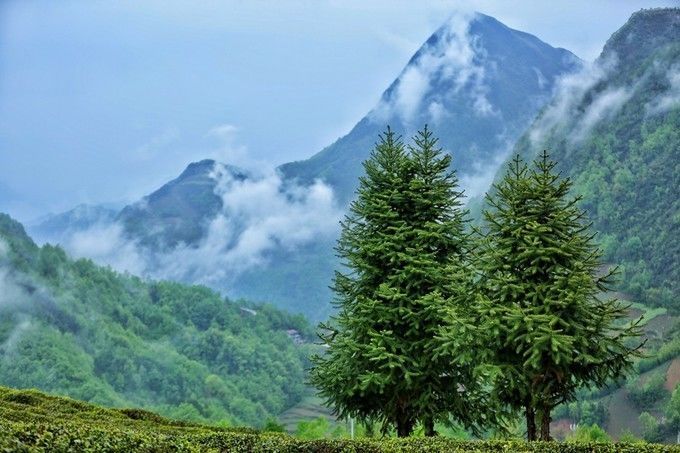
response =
{"points": [[616, 135], [486, 45]]}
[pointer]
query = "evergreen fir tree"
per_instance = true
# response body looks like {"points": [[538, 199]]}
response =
{"points": [[549, 321], [400, 348]]}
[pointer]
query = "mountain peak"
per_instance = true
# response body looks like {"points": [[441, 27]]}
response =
{"points": [[646, 31], [201, 167], [206, 167], [182, 208], [462, 68], [476, 82], [55, 228]]}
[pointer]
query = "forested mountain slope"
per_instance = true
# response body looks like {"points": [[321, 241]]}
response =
{"points": [[615, 129], [78, 329]]}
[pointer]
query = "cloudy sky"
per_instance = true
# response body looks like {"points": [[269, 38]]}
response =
{"points": [[103, 101]]}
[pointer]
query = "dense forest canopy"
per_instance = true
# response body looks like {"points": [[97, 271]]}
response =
{"points": [[74, 328], [617, 135]]}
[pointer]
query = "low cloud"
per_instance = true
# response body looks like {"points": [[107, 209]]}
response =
{"points": [[570, 92], [12, 292], [260, 215], [540, 78], [477, 181], [606, 104], [412, 86], [106, 243], [580, 103], [437, 112], [229, 149], [455, 57], [8, 346], [671, 97], [225, 131], [4, 250], [13, 297], [577, 91]]}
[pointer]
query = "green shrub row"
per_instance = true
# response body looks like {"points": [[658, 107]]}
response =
{"points": [[31, 421], [63, 438]]}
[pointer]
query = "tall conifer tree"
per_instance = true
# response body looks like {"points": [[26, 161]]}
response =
{"points": [[400, 348], [550, 323]]}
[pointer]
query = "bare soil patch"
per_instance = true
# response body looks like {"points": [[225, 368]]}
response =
{"points": [[673, 375]]}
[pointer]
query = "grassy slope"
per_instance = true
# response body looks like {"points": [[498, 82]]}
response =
{"points": [[623, 415]]}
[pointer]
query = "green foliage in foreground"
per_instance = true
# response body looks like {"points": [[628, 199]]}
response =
{"points": [[33, 421], [549, 329], [74, 328], [401, 347], [592, 433]]}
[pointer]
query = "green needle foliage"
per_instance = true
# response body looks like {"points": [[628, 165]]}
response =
{"points": [[401, 349], [549, 326]]}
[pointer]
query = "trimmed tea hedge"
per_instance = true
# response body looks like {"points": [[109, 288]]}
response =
{"points": [[34, 422], [22, 437]]}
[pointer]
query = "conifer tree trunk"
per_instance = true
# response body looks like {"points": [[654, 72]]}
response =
{"points": [[545, 423], [531, 421], [429, 427], [404, 423], [404, 418]]}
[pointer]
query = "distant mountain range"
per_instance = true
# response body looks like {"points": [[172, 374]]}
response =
{"points": [[476, 82], [479, 85], [56, 228]]}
